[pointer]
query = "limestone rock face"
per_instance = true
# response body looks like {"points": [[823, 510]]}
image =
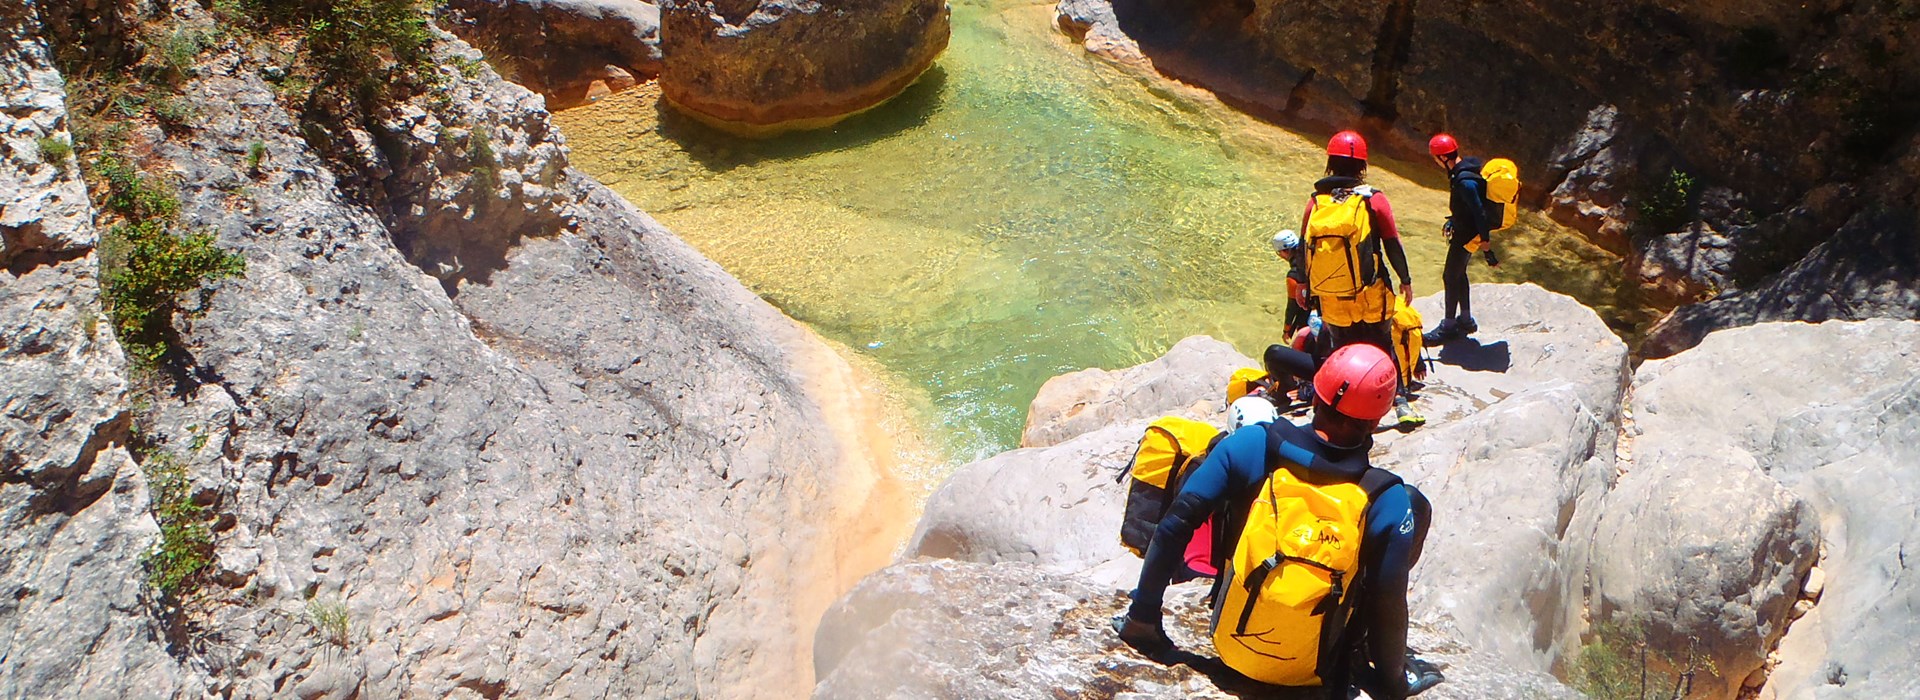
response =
{"points": [[1189, 379], [947, 629], [1839, 434], [1055, 507], [530, 443], [74, 524], [764, 66], [567, 50]]}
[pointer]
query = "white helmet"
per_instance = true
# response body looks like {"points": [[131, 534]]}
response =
{"points": [[1249, 410], [1285, 240]]}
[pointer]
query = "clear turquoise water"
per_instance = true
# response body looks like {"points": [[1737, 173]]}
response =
{"points": [[1025, 210]]}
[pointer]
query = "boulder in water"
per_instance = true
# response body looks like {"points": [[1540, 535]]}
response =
{"points": [[759, 67]]}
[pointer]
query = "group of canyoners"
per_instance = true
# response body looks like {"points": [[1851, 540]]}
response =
{"points": [[1308, 544]]}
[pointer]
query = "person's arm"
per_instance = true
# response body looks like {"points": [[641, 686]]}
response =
{"points": [[1388, 229], [1204, 492], [1398, 529]]}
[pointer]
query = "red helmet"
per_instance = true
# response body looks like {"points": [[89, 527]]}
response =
{"points": [[1349, 144], [1358, 380], [1442, 144]]}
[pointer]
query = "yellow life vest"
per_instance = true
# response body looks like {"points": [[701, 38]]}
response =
{"points": [[1343, 260], [1503, 192], [1170, 449], [1282, 605]]}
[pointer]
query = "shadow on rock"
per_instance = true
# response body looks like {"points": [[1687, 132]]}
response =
{"points": [[721, 151], [1469, 354]]}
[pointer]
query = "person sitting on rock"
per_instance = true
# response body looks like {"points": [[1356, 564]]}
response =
{"points": [[1355, 387], [1286, 244], [1353, 252], [1467, 228]]}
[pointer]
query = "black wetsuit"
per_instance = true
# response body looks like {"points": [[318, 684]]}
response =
{"points": [[1224, 486], [1467, 208]]}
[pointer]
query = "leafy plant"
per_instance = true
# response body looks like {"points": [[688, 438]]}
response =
{"points": [[186, 543], [1667, 205], [175, 111], [55, 151], [146, 266], [180, 48], [367, 44], [256, 154]]}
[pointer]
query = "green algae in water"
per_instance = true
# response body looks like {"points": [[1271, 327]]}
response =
{"points": [[1023, 211]]}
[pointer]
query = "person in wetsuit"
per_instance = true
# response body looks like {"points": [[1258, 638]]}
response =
{"points": [[1333, 448], [1347, 171], [1468, 227]]}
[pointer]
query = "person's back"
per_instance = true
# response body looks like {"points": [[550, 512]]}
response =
{"points": [[1355, 388]]}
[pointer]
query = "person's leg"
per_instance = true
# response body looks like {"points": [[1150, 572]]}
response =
{"points": [[1454, 279]]}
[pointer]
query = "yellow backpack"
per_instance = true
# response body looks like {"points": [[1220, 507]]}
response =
{"points": [[1170, 449], [1503, 192], [1343, 259], [1244, 381], [1282, 605], [1407, 341]]}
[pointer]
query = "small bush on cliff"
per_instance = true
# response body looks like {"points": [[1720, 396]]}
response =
{"points": [[55, 152], [330, 619], [369, 46], [1618, 663], [186, 542], [146, 266], [1667, 205]]}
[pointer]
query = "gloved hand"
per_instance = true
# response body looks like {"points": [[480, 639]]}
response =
{"points": [[1148, 638], [1492, 260]]}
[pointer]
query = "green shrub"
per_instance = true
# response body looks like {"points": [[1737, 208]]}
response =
{"points": [[370, 45], [146, 266], [1667, 205], [256, 154], [180, 48], [55, 151], [186, 542], [1618, 663], [175, 112], [154, 268], [485, 165]]}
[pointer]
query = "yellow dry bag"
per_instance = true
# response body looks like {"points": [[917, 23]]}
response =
{"points": [[1343, 259], [1171, 447], [1282, 605], [1503, 192]]}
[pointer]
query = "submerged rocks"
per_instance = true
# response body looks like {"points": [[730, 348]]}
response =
{"points": [[766, 66], [571, 51]]}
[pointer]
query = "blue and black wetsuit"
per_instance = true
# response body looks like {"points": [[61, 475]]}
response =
{"points": [[1226, 484], [1467, 213]]}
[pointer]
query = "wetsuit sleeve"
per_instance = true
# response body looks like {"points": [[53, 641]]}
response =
{"points": [[1396, 531], [1206, 491], [1381, 209], [1383, 222], [1469, 207], [1397, 257]]}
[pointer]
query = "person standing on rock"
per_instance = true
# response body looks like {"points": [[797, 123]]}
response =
{"points": [[1359, 636], [1468, 229], [1351, 238]]}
